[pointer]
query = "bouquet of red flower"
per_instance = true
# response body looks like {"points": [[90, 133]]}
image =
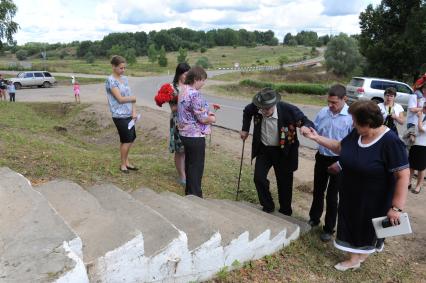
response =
{"points": [[420, 82], [164, 94]]}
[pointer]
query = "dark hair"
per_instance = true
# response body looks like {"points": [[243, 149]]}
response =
{"points": [[117, 60], [366, 113], [180, 69], [195, 74], [337, 90], [390, 90]]}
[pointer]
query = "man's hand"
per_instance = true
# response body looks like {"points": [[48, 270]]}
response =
{"points": [[334, 169], [244, 135]]}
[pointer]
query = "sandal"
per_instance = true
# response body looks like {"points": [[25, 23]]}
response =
{"points": [[125, 171], [416, 192], [132, 168]]}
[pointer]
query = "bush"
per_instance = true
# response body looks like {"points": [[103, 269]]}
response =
{"points": [[203, 49], [203, 62], [317, 89], [21, 54], [223, 55]]}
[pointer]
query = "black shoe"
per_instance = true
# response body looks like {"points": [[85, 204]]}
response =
{"points": [[325, 237], [313, 223], [268, 210], [125, 171], [132, 168], [288, 213]]}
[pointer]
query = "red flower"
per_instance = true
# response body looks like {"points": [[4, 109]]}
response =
{"points": [[216, 106], [420, 82], [164, 94]]}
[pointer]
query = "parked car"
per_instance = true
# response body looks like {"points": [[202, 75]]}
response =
{"points": [[363, 88], [33, 78]]}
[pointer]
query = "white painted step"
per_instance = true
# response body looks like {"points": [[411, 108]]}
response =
{"points": [[166, 248], [36, 245], [210, 250], [112, 250], [269, 236]]}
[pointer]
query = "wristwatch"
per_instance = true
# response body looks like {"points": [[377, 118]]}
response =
{"points": [[394, 208]]}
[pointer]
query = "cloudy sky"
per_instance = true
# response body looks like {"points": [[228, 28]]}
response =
{"points": [[65, 21]]}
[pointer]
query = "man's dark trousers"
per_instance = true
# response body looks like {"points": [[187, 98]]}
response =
{"points": [[321, 179], [272, 156]]}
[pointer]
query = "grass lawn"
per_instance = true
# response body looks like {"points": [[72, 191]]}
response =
{"points": [[44, 141], [217, 56], [81, 80]]}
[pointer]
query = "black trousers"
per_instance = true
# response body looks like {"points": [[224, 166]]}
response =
{"points": [[323, 181], [271, 156], [12, 97], [194, 164]]}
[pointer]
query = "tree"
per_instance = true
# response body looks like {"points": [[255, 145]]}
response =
{"points": [[287, 37], [342, 55], [90, 58], [7, 26], [21, 54], [307, 38], [152, 53], [182, 55], [393, 38], [162, 59], [128, 53]]}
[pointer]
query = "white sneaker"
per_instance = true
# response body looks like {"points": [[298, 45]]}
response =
{"points": [[342, 267]]}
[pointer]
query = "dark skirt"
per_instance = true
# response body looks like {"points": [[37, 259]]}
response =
{"points": [[126, 135], [417, 157]]}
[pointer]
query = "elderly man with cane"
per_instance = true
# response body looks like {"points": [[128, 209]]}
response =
{"points": [[275, 144]]}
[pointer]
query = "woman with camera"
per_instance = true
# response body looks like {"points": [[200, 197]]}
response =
{"points": [[375, 177]]}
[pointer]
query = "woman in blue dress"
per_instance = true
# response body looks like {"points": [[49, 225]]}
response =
{"points": [[375, 176]]}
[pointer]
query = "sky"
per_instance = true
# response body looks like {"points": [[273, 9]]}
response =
{"points": [[66, 21]]}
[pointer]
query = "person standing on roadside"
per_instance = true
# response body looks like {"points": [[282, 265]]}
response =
{"points": [[3, 87], [333, 122], [175, 144], [123, 109], [76, 89], [11, 90], [275, 144], [194, 120]]}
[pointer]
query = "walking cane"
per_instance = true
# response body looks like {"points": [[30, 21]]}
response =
{"points": [[241, 167]]}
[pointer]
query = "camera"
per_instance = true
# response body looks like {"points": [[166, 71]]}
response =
{"points": [[386, 223]]}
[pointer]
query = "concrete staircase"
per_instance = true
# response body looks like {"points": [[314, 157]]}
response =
{"points": [[60, 232]]}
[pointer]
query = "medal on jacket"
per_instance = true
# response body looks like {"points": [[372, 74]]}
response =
{"points": [[282, 136]]}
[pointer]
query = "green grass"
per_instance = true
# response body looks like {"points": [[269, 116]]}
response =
{"points": [[87, 153], [218, 57]]}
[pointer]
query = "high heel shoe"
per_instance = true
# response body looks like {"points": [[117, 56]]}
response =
{"points": [[342, 267]]}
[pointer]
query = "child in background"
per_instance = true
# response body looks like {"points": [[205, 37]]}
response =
{"points": [[11, 90], [76, 91]]}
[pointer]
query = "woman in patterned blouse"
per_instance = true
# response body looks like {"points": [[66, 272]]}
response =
{"points": [[194, 120]]}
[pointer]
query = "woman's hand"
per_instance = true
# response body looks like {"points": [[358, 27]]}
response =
{"points": [[211, 118], [310, 133], [393, 217]]}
